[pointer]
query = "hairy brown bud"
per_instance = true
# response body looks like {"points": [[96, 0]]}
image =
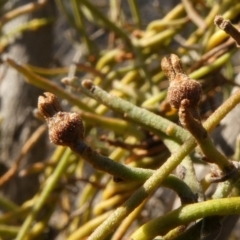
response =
{"points": [[181, 86], [172, 66], [65, 129], [48, 105]]}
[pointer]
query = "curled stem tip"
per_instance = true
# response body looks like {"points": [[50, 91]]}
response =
{"points": [[190, 119], [227, 27], [88, 84]]}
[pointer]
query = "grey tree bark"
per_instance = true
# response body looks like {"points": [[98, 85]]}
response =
{"points": [[18, 99]]}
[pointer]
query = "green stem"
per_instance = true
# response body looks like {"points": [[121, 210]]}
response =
{"points": [[86, 229], [106, 164], [16, 12], [156, 39], [51, 183], [135, 12], [128, 173], [113, 124], [64, 11], [222, 111], [17, 214], [154, 100], [7, 204], [7, 232], [39, 228], [212, 223], [159, 25], [80, 25], [48, 71], [112, 26], [140, 61], [237, 149], [187, 214], [157, 178], [189, 175], [126, 223], [47, 85], [201, 72], [145, 118], [34, 24], [143, 192]]}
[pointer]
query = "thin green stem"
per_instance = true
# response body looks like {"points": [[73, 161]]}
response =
{"points": [[140, 61], [48, 71], [39, 227], [195, 36], [237, 149], [157, 39], [50, 184], [113, 124], [17, 214], [47, 85], [143, 192], [213, 223], [154, 100], [16, 12], [128, 173], [80, 25], [159, 25], [112, 26], [7, 204], [126, 223], [187, 214], [87, 228], [34, 24], [8, 232], [201, 72], [106, 164], [186, 170], [63, 9], [224, 190], [145, 118], [135, 12], [222, 111]]}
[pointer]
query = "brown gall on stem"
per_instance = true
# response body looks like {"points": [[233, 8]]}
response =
{"points": [[65, 129], [227, 27], [181, 86]]}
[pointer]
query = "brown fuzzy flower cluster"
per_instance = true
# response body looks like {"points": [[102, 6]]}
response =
{"points": [[181, 86], [65, 129]]}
